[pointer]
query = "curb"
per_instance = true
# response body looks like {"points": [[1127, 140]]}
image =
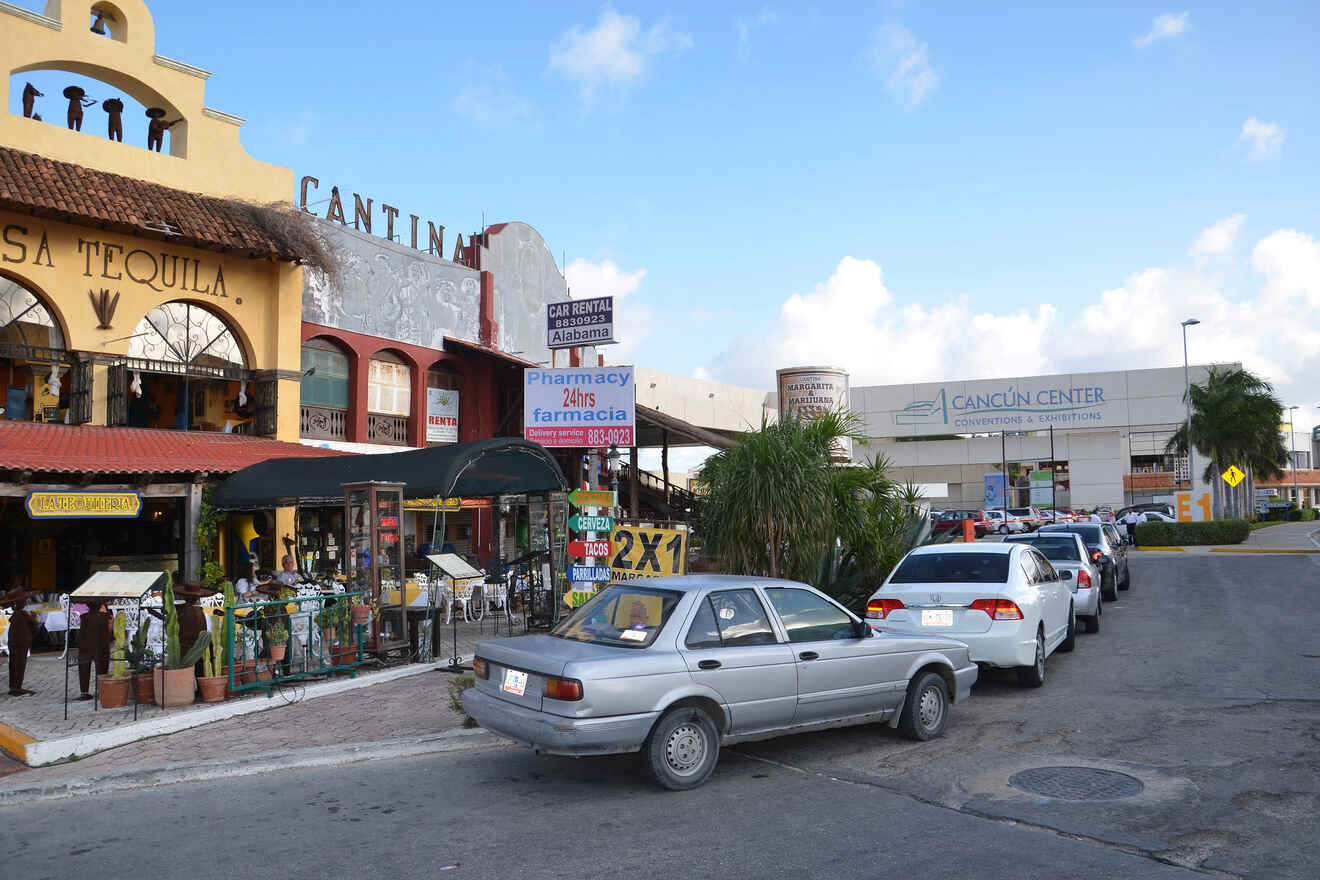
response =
{"points": [[42, 752], [459, 739], [1162, 549], [1259, 550]]}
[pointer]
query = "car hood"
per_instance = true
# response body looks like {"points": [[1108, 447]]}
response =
{"points": [[546, 654]]}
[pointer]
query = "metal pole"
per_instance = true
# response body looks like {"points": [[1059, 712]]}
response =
{"points": [[1054, 471], [1187, 399], [1292, 441], [1003, 454]]}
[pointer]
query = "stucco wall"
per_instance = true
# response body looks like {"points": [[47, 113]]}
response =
{"points": [[526, 278]]}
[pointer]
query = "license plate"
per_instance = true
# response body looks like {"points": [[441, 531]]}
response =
{"points": [[515, 682], [937, 617]]}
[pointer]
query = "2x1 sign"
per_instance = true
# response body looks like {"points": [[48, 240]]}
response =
{"points": [[580, 406], [646, 552], [580, 322]]}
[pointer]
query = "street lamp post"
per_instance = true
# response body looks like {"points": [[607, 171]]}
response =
{"points": [[1187, 398], [613, 459], [1292, 444]]}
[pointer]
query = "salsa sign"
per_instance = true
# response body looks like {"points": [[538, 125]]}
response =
{"points": [[84, 505]]}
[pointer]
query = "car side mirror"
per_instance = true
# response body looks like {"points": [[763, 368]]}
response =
{"points": [[862, 629], [1103, 560], [1066, 574]]}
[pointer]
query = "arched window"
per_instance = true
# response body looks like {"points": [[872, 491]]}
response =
{"points": [[389, 399], [185, 333], [34, 368], [325, 391], [24, 318]]}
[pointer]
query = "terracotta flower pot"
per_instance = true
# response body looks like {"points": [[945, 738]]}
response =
{"points": [[264, 674], [277, 652], [328, 635], [212, 689], [114, 691], [175, 687], [361, 614], [146, 687], [345, 654]]}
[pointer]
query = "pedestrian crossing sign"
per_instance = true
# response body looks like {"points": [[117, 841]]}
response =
{"points": [[1233, 476]]}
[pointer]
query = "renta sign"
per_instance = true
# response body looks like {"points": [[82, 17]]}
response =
{"points": [[1007, 407]]}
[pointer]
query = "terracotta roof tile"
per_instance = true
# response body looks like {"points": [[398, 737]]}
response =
{"points": [[69, 449], [46, 187]]}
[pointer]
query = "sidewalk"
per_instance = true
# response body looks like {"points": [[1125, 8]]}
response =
{"points": [[395, 719], [35, 730]]}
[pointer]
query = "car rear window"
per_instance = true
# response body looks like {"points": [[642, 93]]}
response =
{"points": [[952, 568], [1021, 511], [1060, 549], [1090, 534], [623, 615]]}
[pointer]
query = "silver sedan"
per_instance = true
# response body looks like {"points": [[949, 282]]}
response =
{"points": [[675, 668]]}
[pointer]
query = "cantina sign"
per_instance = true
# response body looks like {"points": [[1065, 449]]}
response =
{"points": [[364, 216]]}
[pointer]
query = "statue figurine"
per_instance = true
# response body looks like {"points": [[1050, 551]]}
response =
{"points": [[115, 107], [22, 630], [30, 94], [77, 101], [157, 127]]}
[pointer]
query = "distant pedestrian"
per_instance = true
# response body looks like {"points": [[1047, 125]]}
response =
{"points": [[1095, 517], [1130, 520]]}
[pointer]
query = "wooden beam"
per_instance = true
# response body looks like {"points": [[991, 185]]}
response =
{"points": [[157, 490]]}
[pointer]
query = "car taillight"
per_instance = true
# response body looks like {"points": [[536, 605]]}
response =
{"points": [[878, 609], [479, 668], [1095, 556], [562, 688], [998, 609], [1083, 581]]}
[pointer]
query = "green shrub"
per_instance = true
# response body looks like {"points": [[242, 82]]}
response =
{"points": [[457, 685], [1304, 515], [1220, 531]]}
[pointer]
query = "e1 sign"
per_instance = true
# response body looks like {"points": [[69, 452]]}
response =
{"points": [[577, 322]]}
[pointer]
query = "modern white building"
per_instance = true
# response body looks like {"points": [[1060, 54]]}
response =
{"points": [[1088, 438]]}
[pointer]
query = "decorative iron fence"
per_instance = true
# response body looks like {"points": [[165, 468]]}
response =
{"points": [[324, 423], [390, 430], [320, 637]]}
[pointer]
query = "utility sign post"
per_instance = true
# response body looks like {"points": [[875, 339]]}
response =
{"points": [[577, 322]]}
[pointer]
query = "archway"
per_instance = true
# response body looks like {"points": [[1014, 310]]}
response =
{"points": [[39, 376], [325, 392], [186, 370]]}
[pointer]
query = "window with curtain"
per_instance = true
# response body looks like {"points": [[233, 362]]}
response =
{"points": [[325, 375], [388, 386]]}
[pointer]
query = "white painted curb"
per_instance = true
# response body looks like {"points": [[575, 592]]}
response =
{"points": [[459, 739], [45, 752]]}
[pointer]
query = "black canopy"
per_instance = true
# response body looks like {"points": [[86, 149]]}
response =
{"points": [[470, 470]]}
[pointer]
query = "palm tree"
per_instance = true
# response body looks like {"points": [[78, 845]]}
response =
{"points": [[1235, 421]]}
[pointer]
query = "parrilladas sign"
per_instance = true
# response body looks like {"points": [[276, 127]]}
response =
{"points": [[577, 322]]}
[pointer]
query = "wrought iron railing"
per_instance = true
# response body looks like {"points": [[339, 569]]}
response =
{"points": [[321, 639], [390, 430], [323, 423]]}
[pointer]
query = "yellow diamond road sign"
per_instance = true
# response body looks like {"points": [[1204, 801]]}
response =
{"points": [[1233, 476]]}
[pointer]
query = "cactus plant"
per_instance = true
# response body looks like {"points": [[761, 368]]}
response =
{"points": [[227, 587], [213, 659], [172, 647], [195, 652], [121, 639]]}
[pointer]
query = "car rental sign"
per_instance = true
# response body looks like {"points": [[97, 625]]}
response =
{"points": [[580, 407], [577, 322]]}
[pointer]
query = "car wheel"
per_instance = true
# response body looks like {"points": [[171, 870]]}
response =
{"points": [[1070, 638], [1127, 579], [926, 709], [1108, 591], [1034, 675], [682, 750], [1003, 530]]}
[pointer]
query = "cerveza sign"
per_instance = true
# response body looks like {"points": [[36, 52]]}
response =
{"points": [[363, 217], [1010, 407], [84, 505]]}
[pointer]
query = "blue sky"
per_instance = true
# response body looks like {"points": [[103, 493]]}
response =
{"points": [[913, 190]]}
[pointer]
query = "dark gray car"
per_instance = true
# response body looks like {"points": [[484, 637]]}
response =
{"points": [[676, 667], [1107, 551]]}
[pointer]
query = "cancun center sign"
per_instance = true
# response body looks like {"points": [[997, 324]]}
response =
{"points": [[1007, 407]]}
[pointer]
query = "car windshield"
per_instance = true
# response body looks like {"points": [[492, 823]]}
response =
{"points": [[952, 568], [1060, 549], [623, 615], [1090, 534]]}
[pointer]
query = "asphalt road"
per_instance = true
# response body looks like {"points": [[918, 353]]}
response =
{"points": [[1201, 684]]}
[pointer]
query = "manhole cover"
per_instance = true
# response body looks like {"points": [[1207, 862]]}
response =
{"points": [[1077, 783]]}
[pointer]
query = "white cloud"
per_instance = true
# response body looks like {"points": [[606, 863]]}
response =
{"points": [[764, 18], [910, 77], [616, 52], [1166, 26], [491, 101], [633, 321], [1265, 138], [1218, 240], [854, 321]]}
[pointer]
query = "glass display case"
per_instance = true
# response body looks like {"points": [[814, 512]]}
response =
{"points": [[373, 547]]}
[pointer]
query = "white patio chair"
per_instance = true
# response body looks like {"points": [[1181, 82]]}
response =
{"points": [[5, 614]]}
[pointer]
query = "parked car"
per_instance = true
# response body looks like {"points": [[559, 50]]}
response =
{"points": [[951, 520], [1003, 524], [1029, 515], [1107, 551], [1149, 507], [1060, 514], [1005, 601], [1070, 559], [677, 667]]}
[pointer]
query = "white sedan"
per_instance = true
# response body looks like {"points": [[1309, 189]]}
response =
{"points": [[1003, 523], [1005, 602]]}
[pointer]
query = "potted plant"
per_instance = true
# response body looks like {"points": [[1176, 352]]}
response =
{"points": [[325, 621], [176, 680], [277, 639], [113, 688], [213, 684], [141, 660], [365, 609]]}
